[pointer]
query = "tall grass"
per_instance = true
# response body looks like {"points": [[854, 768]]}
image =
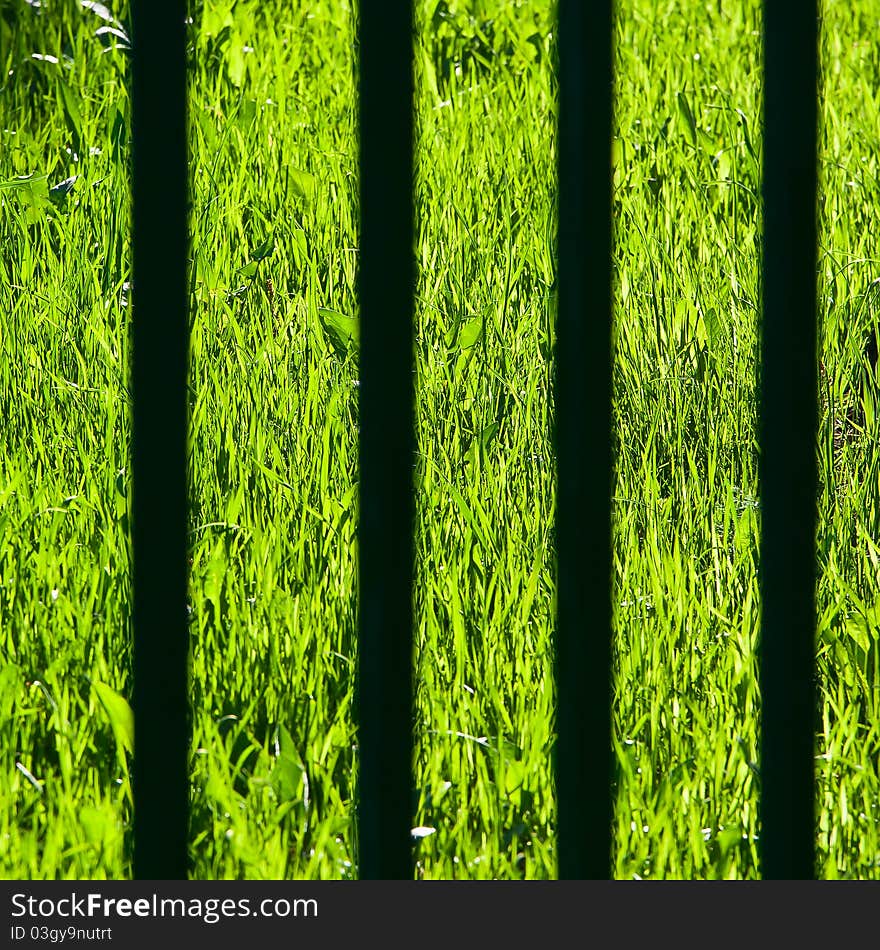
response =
{"points": [[273, 387]]}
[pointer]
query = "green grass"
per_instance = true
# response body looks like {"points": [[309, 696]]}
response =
{"points": [[274, 441]]}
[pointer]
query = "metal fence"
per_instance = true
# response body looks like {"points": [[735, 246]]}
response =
{"points": [[583, 440]]}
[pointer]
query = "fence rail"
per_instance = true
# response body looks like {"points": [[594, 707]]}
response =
{"points": [[583, 440]]}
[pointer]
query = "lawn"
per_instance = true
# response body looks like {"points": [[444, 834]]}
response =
{"points": [[273, 401]]}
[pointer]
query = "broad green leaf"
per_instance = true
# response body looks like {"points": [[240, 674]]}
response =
{"points": [[118, 712], [481, 441], [438, 792], [25, 182], [264, 249], [216, 18], [713, 328], [233, 506], [471, 331], [11, 685], [343, 332], [33, 188], [462, 340], [97, 823], [684, 108], [302, 184], [299, 246], [71, 111], [235, 63], [246, 114], [857, 629], [728, 838], [514, 776], [287, 774], [215, 574]]}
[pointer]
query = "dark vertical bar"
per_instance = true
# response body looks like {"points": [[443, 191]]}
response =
{"points": [[159, 491], [583, 441], [788, 441], [385, 286]]}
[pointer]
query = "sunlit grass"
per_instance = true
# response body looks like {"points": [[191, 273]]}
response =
{"points": [[273, 396]]}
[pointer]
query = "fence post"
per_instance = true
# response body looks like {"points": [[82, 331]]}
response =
{"points": [[385, 556], [159, 432], [788, 442], [583, 441]]}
